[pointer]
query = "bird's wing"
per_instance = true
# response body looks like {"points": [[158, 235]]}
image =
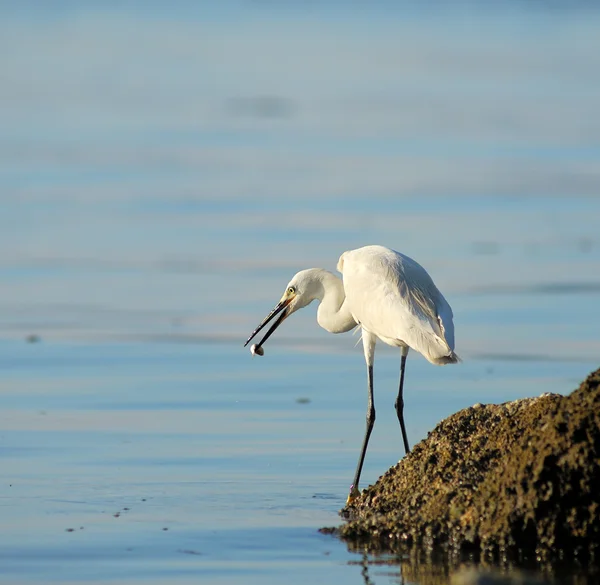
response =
{"points": [[393, 297]]}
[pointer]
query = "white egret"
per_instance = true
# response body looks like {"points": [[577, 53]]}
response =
{"points": [[391, 297]]}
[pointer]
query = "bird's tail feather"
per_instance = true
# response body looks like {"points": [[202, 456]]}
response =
{"points": [[444, 360]]}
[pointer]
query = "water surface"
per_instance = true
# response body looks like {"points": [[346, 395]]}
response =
{"points": [[164, 172]]}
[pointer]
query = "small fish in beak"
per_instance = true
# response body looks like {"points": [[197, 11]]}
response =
{"points": [[256, 350]]}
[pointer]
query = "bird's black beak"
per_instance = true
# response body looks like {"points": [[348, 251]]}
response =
{"points": [[282, 307]]}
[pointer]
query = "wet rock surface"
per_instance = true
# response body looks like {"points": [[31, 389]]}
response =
{"points": [[520, 479]]}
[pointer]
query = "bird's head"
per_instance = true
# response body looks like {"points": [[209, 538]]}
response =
{"points": [[300, 291]]}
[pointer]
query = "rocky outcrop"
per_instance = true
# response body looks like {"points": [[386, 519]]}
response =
{"points": [[519, 479]]}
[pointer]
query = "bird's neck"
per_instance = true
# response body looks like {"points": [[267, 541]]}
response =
{"points": [[333, 314]]}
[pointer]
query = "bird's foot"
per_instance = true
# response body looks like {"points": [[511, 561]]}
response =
{"points": [[354, 493]]}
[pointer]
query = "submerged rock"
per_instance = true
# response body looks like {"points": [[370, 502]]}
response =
{"points": [[519, 479], [472, 576]]}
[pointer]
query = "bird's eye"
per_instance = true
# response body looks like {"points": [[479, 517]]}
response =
{"points": [[291, 290]]}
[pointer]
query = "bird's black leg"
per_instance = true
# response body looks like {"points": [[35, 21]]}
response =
{"points": [[400, 403], [370, 423]]}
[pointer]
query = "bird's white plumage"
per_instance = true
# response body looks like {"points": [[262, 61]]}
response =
{"points": [[393, 297]]}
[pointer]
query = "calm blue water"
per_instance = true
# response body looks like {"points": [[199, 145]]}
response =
{"points": [[163, 174]]}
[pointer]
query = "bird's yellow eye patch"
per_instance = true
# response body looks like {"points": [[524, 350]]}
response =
{"points": [[291, 290]]}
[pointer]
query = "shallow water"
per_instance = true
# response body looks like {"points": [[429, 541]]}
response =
{"points": [[165, 172]]}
